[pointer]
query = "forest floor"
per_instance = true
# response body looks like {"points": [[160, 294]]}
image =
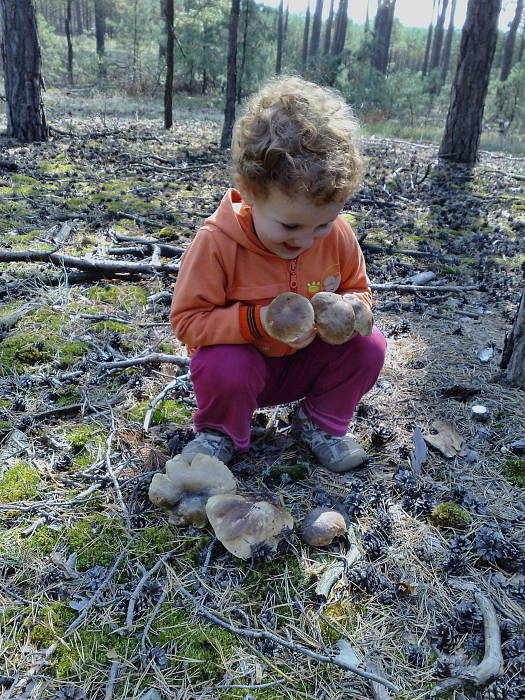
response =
{"points": [[80, 544]]}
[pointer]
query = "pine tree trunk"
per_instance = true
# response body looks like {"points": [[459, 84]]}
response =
{"points": [[316, 29], [424, 68], [445, 61], [513, 359], [522, 44], [100, 33], [69, 44], [286, 14], [438, 37], [467, 101], [26, 119], [341, 23], [168, 85], [306, 32], [328, 30], [280, 29], [240, 77], [78, 13], [231, 78], [382, 34], [508, 49]]}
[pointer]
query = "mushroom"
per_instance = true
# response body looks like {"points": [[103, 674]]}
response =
{"points": [[321, 526], [334, 317], [243, 526], [364, 320], [289, 316], [184, 490]]}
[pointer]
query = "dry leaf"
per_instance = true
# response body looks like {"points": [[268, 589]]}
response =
{"points": [[447, 440]]}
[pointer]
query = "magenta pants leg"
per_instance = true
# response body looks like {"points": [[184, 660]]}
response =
{"points": [[231, 381]]}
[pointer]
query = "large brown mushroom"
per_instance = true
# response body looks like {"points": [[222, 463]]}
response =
{"points": [[185, 489], [288, 317], [244, 527], [321, 526], [334, 317], [364, 320]]}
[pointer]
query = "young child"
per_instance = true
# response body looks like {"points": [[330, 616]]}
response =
{"points": [[296, 162]]}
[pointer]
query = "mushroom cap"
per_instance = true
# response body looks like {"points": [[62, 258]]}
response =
{"points": [[334, 317], [289, 316], [240, 524], [184, 490], [321, 526], [364, 320]]}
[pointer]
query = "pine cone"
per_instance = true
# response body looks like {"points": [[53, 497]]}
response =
{"points": [[461, 544], [455, 564], [502, 689], [420, 502], [518, 591], [363, 577], [94, 577], [405, 480], [267, 618], [467, 500], [474, 644], [447, 667], [228, 575], [262, 551], [373, 545], [492, 546], [381, 434], [157, 656], [355, 503], [467, 617], [383, 525], [515, 647], [377, 495], [416, 655], [63, 462], [69, 692], [320, 499], [51, 576], [444, 637], [507, 629]]}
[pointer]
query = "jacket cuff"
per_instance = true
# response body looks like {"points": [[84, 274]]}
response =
{"points": [[250, 323]]}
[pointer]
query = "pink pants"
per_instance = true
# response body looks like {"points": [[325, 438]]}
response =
{"points": [[231, 381]]}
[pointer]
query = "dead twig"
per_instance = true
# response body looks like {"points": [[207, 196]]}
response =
{"points": [[145, 360], [140, 585], [413, 288]]}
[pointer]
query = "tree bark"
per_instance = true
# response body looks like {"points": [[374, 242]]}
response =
{"points": [[508, 49], [240, 77], [306, 32], [513, 359], [467, 101], [448, 44], [424, 69], [26, 118], [78, 12], [69, 44], [100, 33], [168, 84], [438, 37], [328, 30], [231, 79], [382, 34], [280, 29], [341, 22], [316, 29], [522, 44]]}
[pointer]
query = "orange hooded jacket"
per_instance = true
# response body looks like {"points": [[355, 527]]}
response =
{"points": [[226, 275]]}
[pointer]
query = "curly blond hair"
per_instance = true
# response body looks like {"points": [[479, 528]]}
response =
{"points": [[300, 137]]}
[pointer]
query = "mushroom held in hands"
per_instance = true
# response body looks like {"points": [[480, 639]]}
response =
{"points": [[321, 526], [243, 526], [364, 320], [334, 317], [288, 317], [185, 489]]}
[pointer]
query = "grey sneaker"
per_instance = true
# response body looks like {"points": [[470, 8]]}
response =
{"points": [[338, 454], [210, 442]]}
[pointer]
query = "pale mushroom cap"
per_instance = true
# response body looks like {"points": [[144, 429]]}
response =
{"points": [[204, 474], [239, 524], [321, 526], [364, 320], [163, 492], [334, 318], [289, 316]]}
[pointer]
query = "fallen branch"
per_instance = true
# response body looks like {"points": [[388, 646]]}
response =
{"points": [[145, 360], [378, 691], [503, 172], [389, 250], [491, 665], [412, 288], [140, 585]]}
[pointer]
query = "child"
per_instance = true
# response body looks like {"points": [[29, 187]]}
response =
{"points": [[296, 162]]}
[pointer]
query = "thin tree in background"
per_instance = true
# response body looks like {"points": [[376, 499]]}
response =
{"points": [[467, 101], [522, 44], [240, 77], [69, 44], [280, 39], [285, 30], [382, 34], [78, 13], [22, 60], [424, 69], [367, 20], [438, 37], [447, 47], [341, 23], [170, 45], [100, 34], [508, 49], [328, 30], [315, 39], [306, 32], [231, 77]]}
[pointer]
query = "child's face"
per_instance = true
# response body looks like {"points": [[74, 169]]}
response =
{"points": [[287, 226]]}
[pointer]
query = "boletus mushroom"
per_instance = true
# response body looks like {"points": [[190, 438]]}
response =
{"points": [[289, 316], [185, 489], [364, 320], [242, 526], [321, 526], [334, 317]]}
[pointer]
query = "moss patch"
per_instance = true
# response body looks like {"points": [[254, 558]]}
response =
{"points": [[96, 539], [514, 470], [27, 349], [166, 412], [449, 515], [19, 483], [124, 296]]}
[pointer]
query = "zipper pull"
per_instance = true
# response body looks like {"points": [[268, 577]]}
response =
{"points": [[293, 275]]}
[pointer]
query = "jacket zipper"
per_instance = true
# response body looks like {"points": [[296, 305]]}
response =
{"points": [[293, 275]]}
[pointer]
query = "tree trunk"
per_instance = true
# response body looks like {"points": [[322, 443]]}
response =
{"points": [[285, 31], [513, 359], [508, 50], [328, 30], [100, 33], [78, 13], [438, 37], [341, 22], [168, 85], [382, 33], [424, 69], [522, 44], [316, 29], [26, 119], [244, 49], [467, 100], [367, 21], [304, 56], [448, 44], [69, 44], [231, 78], [280, 29]]}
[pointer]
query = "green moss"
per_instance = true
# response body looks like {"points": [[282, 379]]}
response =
{"points": [[97, 539], [44, 540], [514, 470], [283, 473], [167, 348], [79, 436], [165, 412], [27, 349], [19, 483], [24, 179], [76, 203], [123, 296], [271, 578], [67, 395], [343, 615], [449, 515], [111, 327], [168, 233]]}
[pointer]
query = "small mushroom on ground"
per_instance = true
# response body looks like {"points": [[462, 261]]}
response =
{"points": [[242, 526], [322, 526], [185, 489], [364, 320], [288, 317], [334, 317]]}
